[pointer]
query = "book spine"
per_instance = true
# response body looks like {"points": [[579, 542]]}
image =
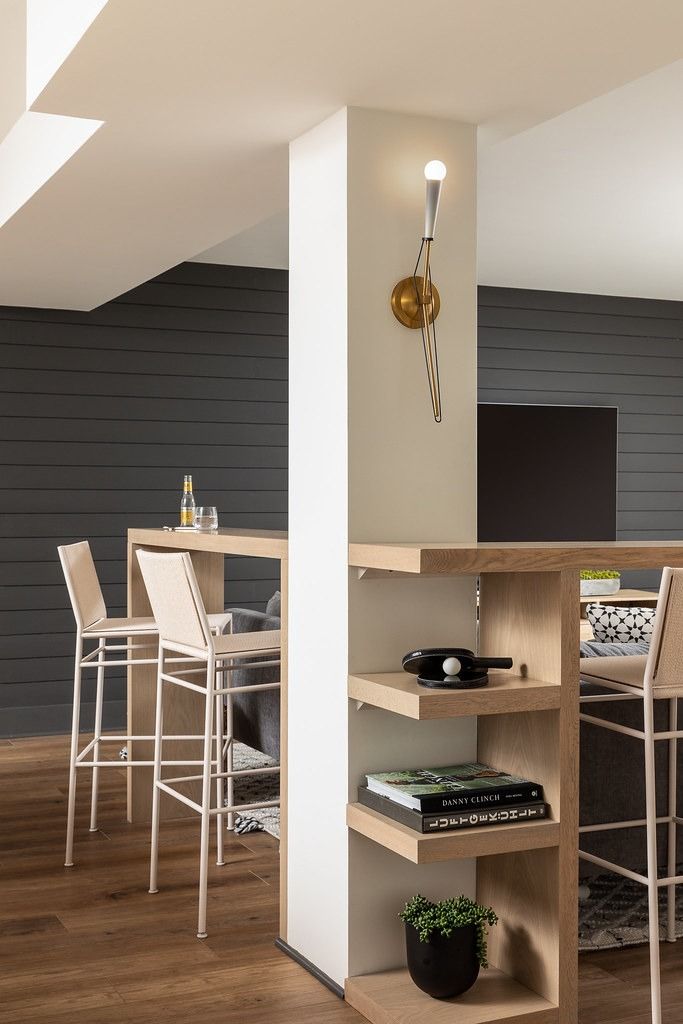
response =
{"points": [[525, 792], [515, 814]]}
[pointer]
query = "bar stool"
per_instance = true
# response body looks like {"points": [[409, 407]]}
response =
{"points": [[657, 675], [184, 629], [93, 626]]}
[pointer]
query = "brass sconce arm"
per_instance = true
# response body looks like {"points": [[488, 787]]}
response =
{"points": [[415, 300], [428, 315]]}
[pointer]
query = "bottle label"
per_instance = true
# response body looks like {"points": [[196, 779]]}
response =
{"points": [[186, 517]]}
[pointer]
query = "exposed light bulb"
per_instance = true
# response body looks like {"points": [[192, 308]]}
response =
{"points": [[435, 170]]}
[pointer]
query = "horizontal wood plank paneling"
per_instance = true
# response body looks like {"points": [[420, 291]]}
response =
{"points": [[38, 334], [26, 454], [116, 431], [101, 414], [567, 349]]}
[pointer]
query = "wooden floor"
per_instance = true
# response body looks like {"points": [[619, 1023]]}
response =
{"points": [[90, 943]]}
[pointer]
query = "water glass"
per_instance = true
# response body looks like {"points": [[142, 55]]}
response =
{"points": [[206, 518]]}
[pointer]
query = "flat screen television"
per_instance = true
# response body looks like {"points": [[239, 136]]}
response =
{"points": [[547, 472]]}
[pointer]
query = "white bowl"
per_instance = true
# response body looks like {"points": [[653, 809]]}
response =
{"points": [[600, 588]]}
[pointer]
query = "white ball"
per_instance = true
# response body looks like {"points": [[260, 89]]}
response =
{"points": [[451, 666]]}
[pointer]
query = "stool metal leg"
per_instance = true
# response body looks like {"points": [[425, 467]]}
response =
{"points": [[652, 890], [672, 828], [206, 799], [220, 781], [98, 732], [229, 755], [156, 792], [75, 723]]}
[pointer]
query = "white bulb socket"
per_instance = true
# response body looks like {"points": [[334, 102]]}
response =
{"points": [[435, 172]]}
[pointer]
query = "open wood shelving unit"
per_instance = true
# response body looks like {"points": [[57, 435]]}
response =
{"points": [[527, 723]]}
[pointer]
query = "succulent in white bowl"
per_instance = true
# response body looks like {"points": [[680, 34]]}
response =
{"points": [[599, 582]]}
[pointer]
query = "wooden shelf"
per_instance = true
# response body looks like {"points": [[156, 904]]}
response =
{"points": [[390, 997], [461, 843], [462, 559], [401, 693]]}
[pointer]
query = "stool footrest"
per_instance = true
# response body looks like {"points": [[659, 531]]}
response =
{"points": [[230, 809]]}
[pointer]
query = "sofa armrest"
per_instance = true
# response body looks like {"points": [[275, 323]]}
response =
{"points": [[245, 620], [595, 649]]}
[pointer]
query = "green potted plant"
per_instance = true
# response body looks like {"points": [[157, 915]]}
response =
{"points": [[600, 582], [446, 943]]}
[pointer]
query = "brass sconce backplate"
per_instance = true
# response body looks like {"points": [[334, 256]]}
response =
{"points": [[405, 306]]}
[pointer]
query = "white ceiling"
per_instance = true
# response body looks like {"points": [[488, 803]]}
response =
{"points": [[199, 101]]}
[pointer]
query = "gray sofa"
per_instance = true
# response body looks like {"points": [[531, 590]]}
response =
{"points": [[612, 774], [257, 715]]}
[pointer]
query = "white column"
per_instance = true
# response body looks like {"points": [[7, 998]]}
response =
{"points": [[368, 462]]}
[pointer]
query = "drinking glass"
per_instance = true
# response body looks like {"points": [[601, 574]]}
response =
{"points": [[206, 518]]}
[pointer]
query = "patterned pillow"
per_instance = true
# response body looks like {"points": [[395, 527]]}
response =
{"points": [[612, 624]]}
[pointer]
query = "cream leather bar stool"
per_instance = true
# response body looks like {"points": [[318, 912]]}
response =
{"points": [[93, 626], [655, 676], [184, 630]]}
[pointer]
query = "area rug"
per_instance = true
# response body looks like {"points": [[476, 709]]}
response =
{"points": [[613, 913], [252, 789]]}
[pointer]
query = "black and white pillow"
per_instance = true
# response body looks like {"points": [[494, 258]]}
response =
{"points": [[612, 624]]}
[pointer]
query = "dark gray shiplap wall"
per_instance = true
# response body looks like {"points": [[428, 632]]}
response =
{"points": [[103, 412], [101, 415], [548, 347]]}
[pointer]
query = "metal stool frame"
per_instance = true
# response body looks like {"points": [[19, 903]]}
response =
{"points": [[664, 649], [172, 573]]}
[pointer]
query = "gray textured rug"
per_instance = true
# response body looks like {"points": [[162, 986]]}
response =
{"points": [[254, 788], [613, 913]]}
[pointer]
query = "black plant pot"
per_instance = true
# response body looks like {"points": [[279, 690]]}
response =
{"points": [[443, 967]]}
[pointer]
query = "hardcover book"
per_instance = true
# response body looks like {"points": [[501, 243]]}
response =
{"points": [[460, 787], [449, 821]]}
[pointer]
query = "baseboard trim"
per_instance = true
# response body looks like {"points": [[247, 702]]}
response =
{"points": [[319, 975]]}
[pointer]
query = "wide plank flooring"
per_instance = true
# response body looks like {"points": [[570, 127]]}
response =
{"points": [[90, 943]]}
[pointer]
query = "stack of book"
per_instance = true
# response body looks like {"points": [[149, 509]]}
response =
{"points": [[458, 796]]}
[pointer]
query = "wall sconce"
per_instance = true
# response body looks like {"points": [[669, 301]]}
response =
{"points": [[415, 300]]}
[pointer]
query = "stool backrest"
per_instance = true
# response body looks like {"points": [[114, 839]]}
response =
{"points": [[175, 598], [82, 583], [664, 668]]}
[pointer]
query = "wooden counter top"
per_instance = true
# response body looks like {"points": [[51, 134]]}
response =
{"points": [[259, 543], [436, 559]]}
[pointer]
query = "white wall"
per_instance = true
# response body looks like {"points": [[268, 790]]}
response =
{"points": [[367, 462], [265, 244]]}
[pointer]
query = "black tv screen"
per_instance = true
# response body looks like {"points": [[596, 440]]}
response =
{"points": [[547, 472]]}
